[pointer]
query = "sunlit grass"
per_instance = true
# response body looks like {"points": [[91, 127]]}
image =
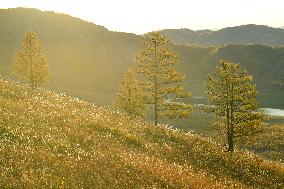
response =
{"points": [[269, 143], [50, 140]]}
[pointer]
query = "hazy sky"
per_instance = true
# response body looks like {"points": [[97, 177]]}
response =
{"points": [[140, 16]]}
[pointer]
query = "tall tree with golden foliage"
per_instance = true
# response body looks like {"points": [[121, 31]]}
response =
{"points": [[233, 97], [30, 63], [163, 84], [130, 95]]}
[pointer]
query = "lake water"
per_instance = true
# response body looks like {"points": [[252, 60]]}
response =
{"points": [[267, 111], [273, 112]]}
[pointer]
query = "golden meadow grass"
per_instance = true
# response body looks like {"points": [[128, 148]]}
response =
{"points": [[50, 140]]}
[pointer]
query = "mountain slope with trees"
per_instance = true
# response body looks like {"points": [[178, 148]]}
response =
{"points": [[88, 61], [80, 54]]}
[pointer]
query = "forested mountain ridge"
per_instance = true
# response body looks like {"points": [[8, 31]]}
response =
{"points": [[244, 34], [88, 61]]}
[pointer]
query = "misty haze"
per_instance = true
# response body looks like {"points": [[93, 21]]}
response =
{"points": [[144, 94]]}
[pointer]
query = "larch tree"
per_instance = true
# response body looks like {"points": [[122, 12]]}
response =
{"points": [[130, 95], [30, 63], [233, 98], [162, 83]]}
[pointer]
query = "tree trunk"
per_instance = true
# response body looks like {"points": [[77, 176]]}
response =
{"points": [[230, 141], [155, 90], [229, 121], [230, 118], [31, 64], [129, 107], [229, 132]]}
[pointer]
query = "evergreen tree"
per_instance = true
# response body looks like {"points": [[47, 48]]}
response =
{"points": [[233, 96], [130, 95], [30, 63], [163, 84]]}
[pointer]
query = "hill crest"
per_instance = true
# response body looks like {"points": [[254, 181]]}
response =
{"points": [[244, 34]]}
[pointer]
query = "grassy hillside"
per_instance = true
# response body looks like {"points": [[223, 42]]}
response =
{"points": [[50, 140], [244, 34], [88, 61], [268, 144]]}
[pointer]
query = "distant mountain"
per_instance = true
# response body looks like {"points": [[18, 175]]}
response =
{"points": [[282, 27], [245, 34], [88, 61], [265, 63]]}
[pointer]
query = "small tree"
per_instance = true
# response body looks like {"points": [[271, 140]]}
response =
{"points": [[233, 96], [163, 84], [30, 63], [130, 95]]}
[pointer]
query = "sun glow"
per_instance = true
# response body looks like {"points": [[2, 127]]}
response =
{"points": [[147, 15]]}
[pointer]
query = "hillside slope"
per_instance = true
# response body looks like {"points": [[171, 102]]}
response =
{"points": [[81, 54], [50, 140], [88, 61], [245, 34]]}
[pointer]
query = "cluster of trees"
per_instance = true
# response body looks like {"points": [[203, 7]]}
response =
{"points": [[156, 82], [162, 85]]}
